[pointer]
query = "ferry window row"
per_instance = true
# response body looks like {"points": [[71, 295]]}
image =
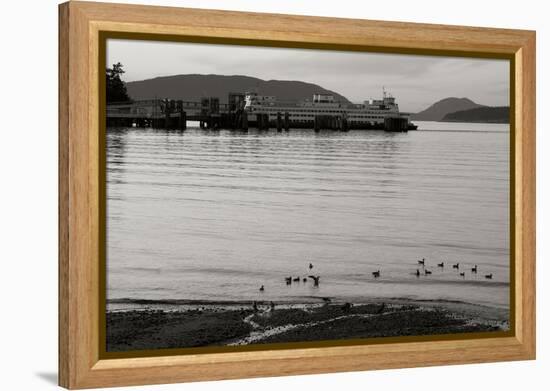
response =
{"points": [[351, 117], [282, 111]]}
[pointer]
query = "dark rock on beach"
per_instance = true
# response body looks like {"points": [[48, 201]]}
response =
{"points": [[139, 330]]}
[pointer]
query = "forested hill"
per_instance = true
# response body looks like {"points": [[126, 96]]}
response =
{"points": [[194, 87]]}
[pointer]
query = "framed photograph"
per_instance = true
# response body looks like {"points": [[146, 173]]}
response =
{"points": [[246, 195]]}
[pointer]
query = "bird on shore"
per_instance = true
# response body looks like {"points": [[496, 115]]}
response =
{"points": [[456, 265], [288, 280], [297, 279], [310, 265], [417, 273], [442, 264], [462, 274], [346, 307], [304, 280], [315, 280], [376, 274], [489, 276], [422, 262], [474, 269], [262, 288], [427, 272]]}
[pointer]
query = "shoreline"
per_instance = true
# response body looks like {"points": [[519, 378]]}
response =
{"points": [[298, 300], [162, 324]]}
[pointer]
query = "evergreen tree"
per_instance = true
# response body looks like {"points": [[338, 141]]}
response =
{"points": [[116, 88]]}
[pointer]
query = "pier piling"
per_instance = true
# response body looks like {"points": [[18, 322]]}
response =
{"points": [[287, 121], [244, 122], [182, 120], [262, 121], [345, 126], [279, 122]]}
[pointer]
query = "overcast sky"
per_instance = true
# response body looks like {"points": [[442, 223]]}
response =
{"points": [[415, 81]]}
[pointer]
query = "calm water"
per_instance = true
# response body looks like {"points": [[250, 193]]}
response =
{"points": [[212, 215]]}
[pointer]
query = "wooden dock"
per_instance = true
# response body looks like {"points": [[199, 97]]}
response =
{"points": [[174, 114]]}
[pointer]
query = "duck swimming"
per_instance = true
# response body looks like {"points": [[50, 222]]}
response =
{"points": [[315, 280]]}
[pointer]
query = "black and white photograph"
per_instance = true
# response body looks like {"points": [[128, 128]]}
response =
{"points": [[268, 195]]}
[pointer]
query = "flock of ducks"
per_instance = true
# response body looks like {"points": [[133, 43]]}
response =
{"points": [[376, 274], [289, 280], [442, 265]]}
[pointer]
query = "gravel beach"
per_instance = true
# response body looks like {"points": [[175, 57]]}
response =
{"points": [[184, 325]]}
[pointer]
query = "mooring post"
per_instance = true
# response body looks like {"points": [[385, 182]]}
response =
{"points": [[345, 122], [287, 121], [244, 120], [279, 122], [259, 121], [209, 122], [264, 122], [316, 125], [167, 119]]}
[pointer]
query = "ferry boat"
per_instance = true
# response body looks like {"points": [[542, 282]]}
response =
{"points": [[371, 114]]}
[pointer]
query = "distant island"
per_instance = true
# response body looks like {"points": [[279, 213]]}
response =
{"points": [[499, 115], [440, 109], [463, 110], [186, 87]]}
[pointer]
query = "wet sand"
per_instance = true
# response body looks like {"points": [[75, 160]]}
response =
{"points": [[183, 325]]}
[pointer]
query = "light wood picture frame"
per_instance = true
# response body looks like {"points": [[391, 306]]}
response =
{"points": [[82, 29]]}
